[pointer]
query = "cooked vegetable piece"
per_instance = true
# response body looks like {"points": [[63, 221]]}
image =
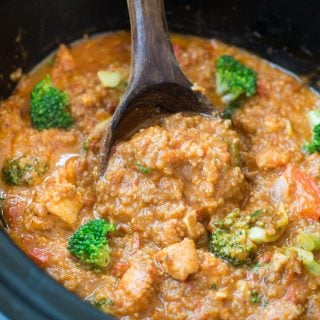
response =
{"points": [[256, 214], [229, 241], [308, 261], [314, 145], [259, 234], [89, 243], [231, 109], [102, 303], [233, 79], [111, 79], [234, 247], [23, 171], [235, 238], [48, 106], [143, 168], [313, 267], [306, 243], [306, 192], [314, 117], [235, 154], [309, 241], [255, 296]]}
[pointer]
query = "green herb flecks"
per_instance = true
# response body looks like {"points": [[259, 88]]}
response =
{"points": [[143, 169], [214, 286], [103, 303], [255, 297]]}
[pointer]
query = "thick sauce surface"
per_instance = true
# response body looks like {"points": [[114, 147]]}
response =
{"points": [[165, 187]]}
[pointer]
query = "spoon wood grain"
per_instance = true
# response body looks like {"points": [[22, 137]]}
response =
{"points": [[157, 85]]}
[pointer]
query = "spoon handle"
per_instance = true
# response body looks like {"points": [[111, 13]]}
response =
{"points": [[153, 60]]}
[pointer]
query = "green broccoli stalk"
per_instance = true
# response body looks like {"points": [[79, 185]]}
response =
{"points": [[307, 259], [90, 244], [229, 111], [309, 241], [23, 171], [233, 79], [306, 243], [48, 106]]}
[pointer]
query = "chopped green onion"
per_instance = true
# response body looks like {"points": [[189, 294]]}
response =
{"points": [[214, 286], [255, 297], [257, 213], [143, 169], [309, 241], [103, 302]]}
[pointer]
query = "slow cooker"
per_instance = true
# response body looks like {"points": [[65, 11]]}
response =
{"points": [[285, 32]]}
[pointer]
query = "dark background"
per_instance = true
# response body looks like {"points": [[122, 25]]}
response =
{"points": [[286, 32]]}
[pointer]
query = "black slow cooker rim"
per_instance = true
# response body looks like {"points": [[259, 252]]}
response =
{"points": [[31, 288]]}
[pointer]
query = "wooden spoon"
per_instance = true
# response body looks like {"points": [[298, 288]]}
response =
{"points": [[157, 84]]}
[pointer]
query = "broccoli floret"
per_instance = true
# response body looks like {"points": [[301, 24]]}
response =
{"points": [[235, 239], [230, 242], [90, 244], [255, 296], [103, 304], [48, 106], [23, 171], [233, 247], [234, 79], [314, 145]]}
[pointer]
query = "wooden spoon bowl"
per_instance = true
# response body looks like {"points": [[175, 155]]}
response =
{"points": [[157, 84]]}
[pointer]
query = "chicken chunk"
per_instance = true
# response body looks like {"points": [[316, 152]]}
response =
{"points": [[270, 158], [135, 289], [64, 59], [61, 198], [179, 260], [66, 209]]}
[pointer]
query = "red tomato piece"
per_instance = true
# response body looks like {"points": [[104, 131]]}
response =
{"points": [[306, 193]]}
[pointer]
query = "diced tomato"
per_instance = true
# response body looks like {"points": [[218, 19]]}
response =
{"points": [[15, 207], [39, 256], [119, 268], [266, 257], [292, 294], [177, 50], [306, 193], [262, 87]]}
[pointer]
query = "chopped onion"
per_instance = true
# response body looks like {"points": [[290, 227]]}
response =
{"points": [[279, 190], [314, 117], [109, 79]]}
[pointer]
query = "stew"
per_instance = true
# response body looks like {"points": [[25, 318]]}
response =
{"points": [[196, 217]]}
